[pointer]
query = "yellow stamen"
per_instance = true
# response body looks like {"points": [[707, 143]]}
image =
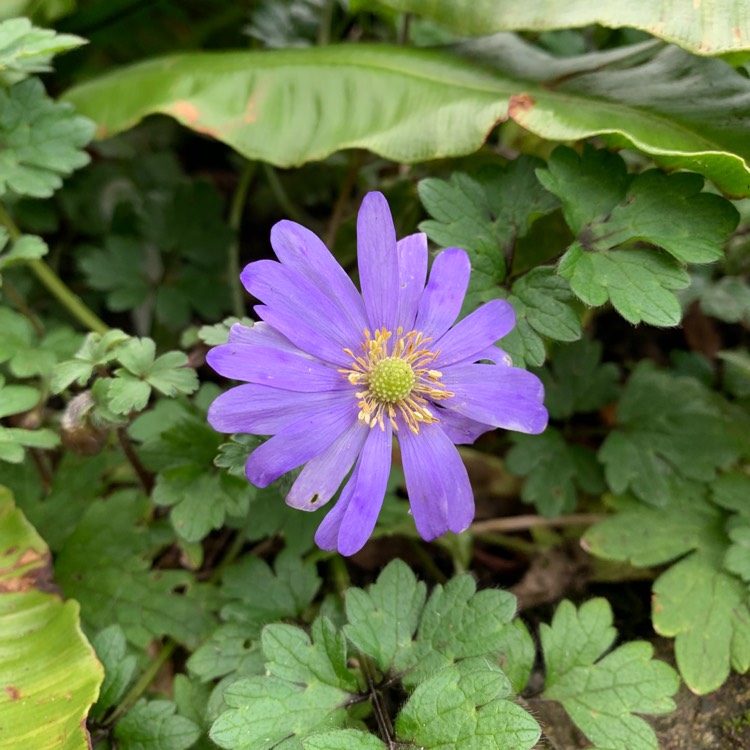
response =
{"points": [[397, 379]]}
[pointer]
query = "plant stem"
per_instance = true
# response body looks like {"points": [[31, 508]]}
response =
{"points": [[341, 201], [144, 476], [340, 575], [523, 523], [235, 222], [19, 303], [143, 681], [282, 198], [72, 303]]}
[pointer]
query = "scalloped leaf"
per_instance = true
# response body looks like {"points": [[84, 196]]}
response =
{"points": [[711, 28], [49, 673], [291, 106]]}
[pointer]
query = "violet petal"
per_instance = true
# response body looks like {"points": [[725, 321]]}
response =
{"points": [[444, 294], [373, 468], [378, 261], [475, 333], [300, 249], [298, 443], [322, 475], [264, 410], [506, 397], [281, 369], [412, 274], [438, 485]]}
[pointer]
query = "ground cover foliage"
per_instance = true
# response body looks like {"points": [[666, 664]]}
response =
{"points": [[597, 176]]}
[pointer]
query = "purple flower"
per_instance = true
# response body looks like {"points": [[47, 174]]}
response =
{"points": [[333, 375]]}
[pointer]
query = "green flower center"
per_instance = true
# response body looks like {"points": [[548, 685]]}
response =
{"points": [[391, 379]]}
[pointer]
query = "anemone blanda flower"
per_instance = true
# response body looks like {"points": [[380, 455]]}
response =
{"points": [[333, 376]]}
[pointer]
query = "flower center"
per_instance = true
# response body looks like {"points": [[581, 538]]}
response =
{"points": [[396, 378], [391, 379]]}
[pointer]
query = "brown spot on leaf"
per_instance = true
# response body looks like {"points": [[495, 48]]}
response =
{"points": [[13, 692], [27, 578], [521, 103], [737, 33], [186, 111]]}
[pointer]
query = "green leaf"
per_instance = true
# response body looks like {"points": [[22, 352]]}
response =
{"points": [[116, 268], [704, 29], [383, 619], [25, 353], [485, 215], [291, 655], [602, 694], [452, 709], [653, 536], [254, 596], [264, 711], [686, 118], [726, 298], [706, 611], [130, 390], [97, 349], [26, 49], [200, 500], [667, 211], [25, 248], [576, 382], [737, 558], [542, 303], [153, 725], [218, 333], [49, 673], [119, 667], [167, 373], [695, 601], [555, 470], [42, 140], [106, 564], [457, 624], [343, 739], [608, 208], [671, 431]]}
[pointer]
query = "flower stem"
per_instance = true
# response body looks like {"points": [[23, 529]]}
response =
{"points": [[143, 682], [72, 303], [144, 476], [523, 523], [235, 222]]}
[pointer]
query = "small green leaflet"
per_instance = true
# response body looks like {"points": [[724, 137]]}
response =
{"points": [[542, 303], [42, 140], [575, 381], [612, 212], [26, 49], [106, 565], [26, 353], [25, 248], [97, 350], [129, 391], [457, 623], [153, 725], [16, 399], [602, 693], [253, 595], [455, 710], [383, 619], [490, 212], [555, 469], [119, 668], [671, 432], [696, 601]]}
